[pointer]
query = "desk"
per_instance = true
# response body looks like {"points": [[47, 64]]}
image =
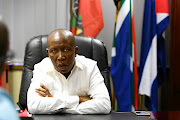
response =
{"points": [[111, 116], [169, 115]]}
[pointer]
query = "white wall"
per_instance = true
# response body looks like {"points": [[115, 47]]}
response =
{"points": [[138, 14], [107, 33], [28, 18]]}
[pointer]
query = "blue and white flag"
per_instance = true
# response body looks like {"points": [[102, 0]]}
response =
{"points": [[156, 19]]}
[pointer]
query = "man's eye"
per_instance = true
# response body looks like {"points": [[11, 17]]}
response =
{"points": [[66, 50], [53, 50]]}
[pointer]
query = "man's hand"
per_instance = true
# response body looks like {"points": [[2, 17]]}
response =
{"points": [[83, 99], [43, 91]]}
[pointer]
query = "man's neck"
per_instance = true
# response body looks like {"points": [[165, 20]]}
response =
{"points": [[67, 74]]}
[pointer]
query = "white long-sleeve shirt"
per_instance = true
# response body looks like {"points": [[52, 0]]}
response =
{"points": [[85, 80]]}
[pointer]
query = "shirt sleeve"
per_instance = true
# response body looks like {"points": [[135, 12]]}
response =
{"points": [[46, 105], [100, 102]]}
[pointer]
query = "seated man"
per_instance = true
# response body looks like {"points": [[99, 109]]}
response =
{"points": [[66, 82]]}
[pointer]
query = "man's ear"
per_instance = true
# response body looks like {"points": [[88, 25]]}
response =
{"points": [[47, 51], [76, 50]]}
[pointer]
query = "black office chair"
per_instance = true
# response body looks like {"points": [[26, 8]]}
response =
{"points": [[36, 51]]}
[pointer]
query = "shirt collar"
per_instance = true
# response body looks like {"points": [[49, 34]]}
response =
{"points": [[78, 62]]}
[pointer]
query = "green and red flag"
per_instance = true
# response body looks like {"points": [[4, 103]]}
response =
{"points": [[87, 18]]}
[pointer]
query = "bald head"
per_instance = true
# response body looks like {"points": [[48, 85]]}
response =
{"points": [[60, 34]]}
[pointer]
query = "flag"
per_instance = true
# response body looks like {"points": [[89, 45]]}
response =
{"points": [[124, 64], [156, 19], [87, 18]]}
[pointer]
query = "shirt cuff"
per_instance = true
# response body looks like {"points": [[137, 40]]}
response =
{"points": [[72, 101]]}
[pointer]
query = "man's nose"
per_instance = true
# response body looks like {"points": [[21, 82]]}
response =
{"points": [[61, 56]]}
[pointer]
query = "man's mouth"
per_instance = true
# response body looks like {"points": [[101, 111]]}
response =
{"points": [[62, 66]]}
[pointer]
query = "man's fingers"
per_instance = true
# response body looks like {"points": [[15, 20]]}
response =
{"points": [[43, 86], [41, 93], [41, 89], [45, 89]]}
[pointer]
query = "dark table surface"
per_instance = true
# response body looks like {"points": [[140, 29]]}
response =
{"points": [[168, 115], [111, 116]]}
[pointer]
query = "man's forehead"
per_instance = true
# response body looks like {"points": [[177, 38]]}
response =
{"points": [[56, 36], [67, 33], [58, 33], [60, 36]]}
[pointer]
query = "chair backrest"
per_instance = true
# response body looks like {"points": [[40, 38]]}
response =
{"points": [[36, 51]]}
